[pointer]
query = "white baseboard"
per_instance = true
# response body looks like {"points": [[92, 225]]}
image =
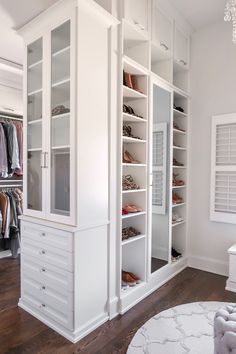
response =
{"points": [[230, 286], [113, 307], [208, 264], [72, 336]]}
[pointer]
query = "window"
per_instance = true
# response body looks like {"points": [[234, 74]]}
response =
{"points": [[223, 169]]}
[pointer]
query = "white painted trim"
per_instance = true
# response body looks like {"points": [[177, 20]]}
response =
{"points": [[208, 265], [230, 286], [113, 307]]}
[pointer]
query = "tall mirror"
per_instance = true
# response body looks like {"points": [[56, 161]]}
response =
{"points": [[160, 157]]}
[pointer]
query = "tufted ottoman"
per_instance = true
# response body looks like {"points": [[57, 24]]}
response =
{"points": [[225, 330]]}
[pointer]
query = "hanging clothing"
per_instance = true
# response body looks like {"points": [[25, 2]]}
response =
{"points": [[11, 208], [19, 132], [15, 150], [8, 130], [3, 154]]}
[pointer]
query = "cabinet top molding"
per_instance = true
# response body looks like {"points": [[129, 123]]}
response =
{"points": [[45, 19]]}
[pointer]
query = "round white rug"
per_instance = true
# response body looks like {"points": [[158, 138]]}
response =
{"points": [[179, 330]]}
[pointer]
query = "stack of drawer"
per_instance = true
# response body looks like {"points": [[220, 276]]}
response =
{"points": [[47, 272]]}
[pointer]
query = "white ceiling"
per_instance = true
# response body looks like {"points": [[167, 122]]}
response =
{"points": [[200, 13], [14, 14]]}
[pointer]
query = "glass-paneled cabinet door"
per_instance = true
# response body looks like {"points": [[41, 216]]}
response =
{"points": [[34, 125], [60, 119]]}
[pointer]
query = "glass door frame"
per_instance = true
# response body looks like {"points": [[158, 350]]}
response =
{"points": [[156, 82], [70, 219], [28, 211]]}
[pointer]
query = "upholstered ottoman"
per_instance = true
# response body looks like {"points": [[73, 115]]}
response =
{"points": [[225, 330]]}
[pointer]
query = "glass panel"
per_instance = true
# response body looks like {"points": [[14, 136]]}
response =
{"points": [[161, 172], [60, 120], [34, 120], [34, 181]]}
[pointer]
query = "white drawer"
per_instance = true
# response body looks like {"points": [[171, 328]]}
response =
{"points": [[232, 267], [49, 236], [60, 316], [61, 301], [46, 253], [46, 273]]}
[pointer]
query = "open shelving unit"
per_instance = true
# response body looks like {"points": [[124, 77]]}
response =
{"points": [[135, 62], [180, 151]]}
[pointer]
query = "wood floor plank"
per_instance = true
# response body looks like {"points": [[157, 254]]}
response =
{"points": [[21, 333]]}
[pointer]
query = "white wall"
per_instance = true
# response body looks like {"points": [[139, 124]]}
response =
{"points": [[213, 92]]}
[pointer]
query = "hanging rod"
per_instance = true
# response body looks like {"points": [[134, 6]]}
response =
{"points": [[10, 185]]}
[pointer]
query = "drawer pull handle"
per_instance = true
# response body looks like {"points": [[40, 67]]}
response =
{"points": [[162, 44], [43, 234], [43, 305], [43, 270], [43, 287], [183, 62], [43, 252]]}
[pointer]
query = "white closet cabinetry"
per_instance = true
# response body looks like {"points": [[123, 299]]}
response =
{"points": [[64, 252], [162, 28], [137, 12], [181, 53]]}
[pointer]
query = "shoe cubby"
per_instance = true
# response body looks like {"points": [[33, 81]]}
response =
{"points": [[135, 44], [179, 238], [137, 130], [181, 100], [137, 199], [134, 258], [35, 79], [137, 222], [139, 107], [160, 65], [34, 104], [181, 77], [137, 150], [138, 174], [34, 53], [180, 156]]}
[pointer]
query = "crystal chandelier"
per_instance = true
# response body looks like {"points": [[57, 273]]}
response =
{"points": [[230, 14]]}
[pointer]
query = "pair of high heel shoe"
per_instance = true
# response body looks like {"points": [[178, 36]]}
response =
{"points": [[176, 199], [128, 158], [130, 81], [129, 110], [130, 209], [129, 279], [177, 182], [127, 131], [128, 183], [129, 232]]}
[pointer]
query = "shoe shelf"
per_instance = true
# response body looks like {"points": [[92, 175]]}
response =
{"points": [[179, 167], [178, 113], [127, 139], [133, 67], [133, 239], [178, 223], [130, 289], [37, 121], [178, 205], [179, 148], [179, 131], [129, 118], [60, 116], [133, 191], [131, 93], [34, 65], [179, 187], [134, 165], [133, 215]]}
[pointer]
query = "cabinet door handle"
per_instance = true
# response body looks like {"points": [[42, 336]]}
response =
{"points": [[42, 160], [42, 252], [43, 270], [164, 46], [43, 305], [46, 159], [43, 234], [183, 62], [43, 287]]}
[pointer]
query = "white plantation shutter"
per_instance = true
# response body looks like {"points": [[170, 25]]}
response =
{"points": [[223, 172], [159, 168]]}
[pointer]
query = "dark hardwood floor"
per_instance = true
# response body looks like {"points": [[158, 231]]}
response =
{"points": [[20, 333]]}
